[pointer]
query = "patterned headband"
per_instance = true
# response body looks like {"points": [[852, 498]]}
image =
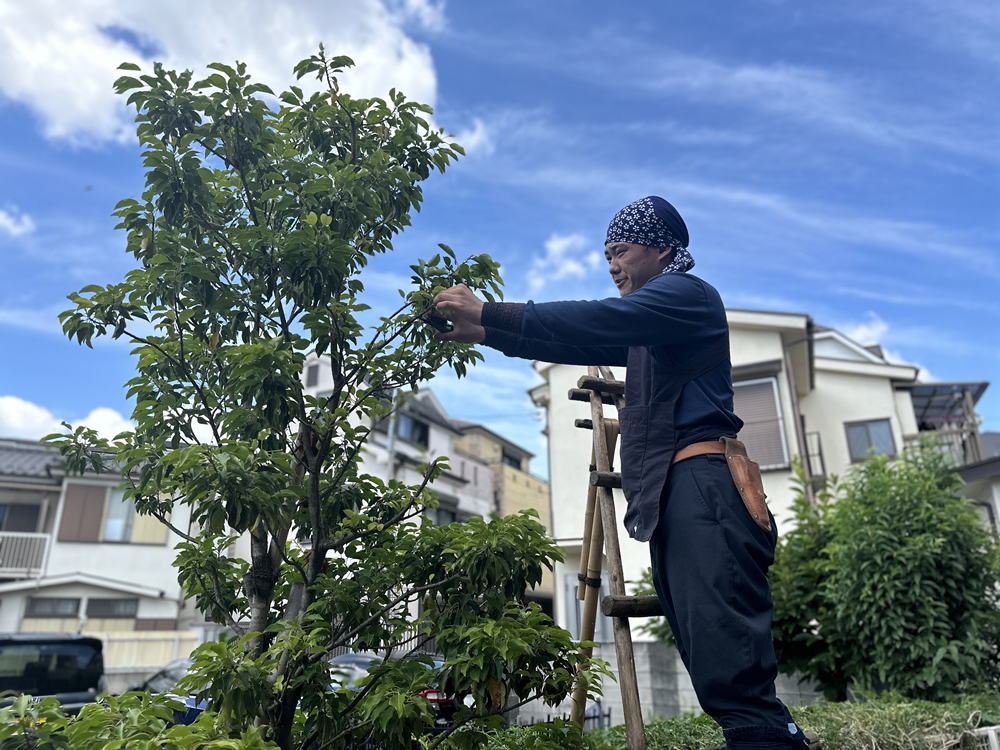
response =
{"points": [[654, 222]]}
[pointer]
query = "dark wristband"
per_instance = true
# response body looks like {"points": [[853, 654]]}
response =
{"points": [[503, 317]]}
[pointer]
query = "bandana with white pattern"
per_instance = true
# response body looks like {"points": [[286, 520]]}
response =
{"points": [[638, 223]]}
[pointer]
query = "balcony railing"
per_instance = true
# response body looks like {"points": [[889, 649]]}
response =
{"points": [[22, 554], [962, 443]]}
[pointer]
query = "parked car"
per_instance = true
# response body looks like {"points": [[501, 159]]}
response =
{"points": [[69, 668], [348, 670], [353, 667]]}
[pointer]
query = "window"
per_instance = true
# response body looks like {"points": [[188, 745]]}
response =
{"points": [[763, 433], [93, 513], [412, 431], [19, 517], [603, 629], [83, 508], [312, 376], [875, 435], [511, 458], [39, 606], [118, 518], [112, 608]]}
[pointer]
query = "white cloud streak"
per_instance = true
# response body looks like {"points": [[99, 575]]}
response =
{"points": [[14, 223], [566, 256], [23, 419], [59, 57]]}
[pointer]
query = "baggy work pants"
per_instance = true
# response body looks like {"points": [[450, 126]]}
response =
{"points": [[710, 562]]}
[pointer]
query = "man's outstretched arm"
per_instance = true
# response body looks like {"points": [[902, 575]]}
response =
{"points": [[498, 325]]}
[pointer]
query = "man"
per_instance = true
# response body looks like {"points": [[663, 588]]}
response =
{"points": [[709, 551]]}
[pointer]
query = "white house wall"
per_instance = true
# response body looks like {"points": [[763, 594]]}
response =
{"points": [[841, 397], [149, 565]]}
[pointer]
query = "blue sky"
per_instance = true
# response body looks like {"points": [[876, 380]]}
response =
{"points": [[839, 160]]}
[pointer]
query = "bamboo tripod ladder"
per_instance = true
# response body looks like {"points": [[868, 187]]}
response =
{"points": [[600, 534]]}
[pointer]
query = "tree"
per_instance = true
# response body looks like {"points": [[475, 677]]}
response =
{"points": [[804, 627], [889, 583], [914, 579], [258, 217]]}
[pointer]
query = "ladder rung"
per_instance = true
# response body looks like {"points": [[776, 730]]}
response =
{"points": [[631, 606], [606, 479], [579, 394], [601, 385], [583, 424]]}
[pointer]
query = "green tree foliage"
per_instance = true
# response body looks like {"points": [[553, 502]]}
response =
{"points": [[894, 586], [804, 626], [913, 579], [258, 217]]}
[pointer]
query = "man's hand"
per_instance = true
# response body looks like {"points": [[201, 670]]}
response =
{"points": [[465, 310]]}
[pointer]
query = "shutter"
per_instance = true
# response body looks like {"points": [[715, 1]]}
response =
{"points": [[83, 509], [148, 530], [755, 404]]}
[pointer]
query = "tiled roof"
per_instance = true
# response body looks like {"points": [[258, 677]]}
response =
{"points": [[27, 458]]}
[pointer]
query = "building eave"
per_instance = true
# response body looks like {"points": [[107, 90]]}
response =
{"points": [[87, 579], [900, 373]]}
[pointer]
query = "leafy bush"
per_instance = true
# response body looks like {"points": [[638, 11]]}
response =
{"points": [[889, 582]]}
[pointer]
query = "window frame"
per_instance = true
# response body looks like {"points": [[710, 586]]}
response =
{"points": [[414, 422], [100, 601], [52, 615], [773, 380], [866, 422]]}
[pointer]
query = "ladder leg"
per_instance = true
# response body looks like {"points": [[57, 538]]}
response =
{"points": [[588, 621], [631, 707], [588, 525]]}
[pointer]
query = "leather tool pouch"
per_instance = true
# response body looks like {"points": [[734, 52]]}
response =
{"points": [[746, 475]]}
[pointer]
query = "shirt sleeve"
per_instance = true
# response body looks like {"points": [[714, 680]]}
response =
{"points": [[670, 310], [503, 323]]}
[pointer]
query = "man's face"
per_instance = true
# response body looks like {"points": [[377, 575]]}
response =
{"points": [[632, 265]]}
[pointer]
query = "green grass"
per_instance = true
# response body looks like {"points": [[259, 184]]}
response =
{"points": [[887, 722]]}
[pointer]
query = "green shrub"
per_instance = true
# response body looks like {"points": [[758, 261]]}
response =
{"points": [[889, 583]]}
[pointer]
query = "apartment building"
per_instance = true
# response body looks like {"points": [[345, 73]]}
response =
{"points": [[515, 488], [420, 430], [75, 557]]}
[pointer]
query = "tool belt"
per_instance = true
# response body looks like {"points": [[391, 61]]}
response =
{"points": [[746, 474]]}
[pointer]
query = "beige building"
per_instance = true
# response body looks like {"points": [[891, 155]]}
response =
{"points": [[515, 488], [75, 557]]}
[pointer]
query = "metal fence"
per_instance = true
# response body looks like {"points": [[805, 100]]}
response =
{"points": [[594, 721], [984, 738], [22, 554]]}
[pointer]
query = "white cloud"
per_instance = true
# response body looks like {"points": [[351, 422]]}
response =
{"points": [[868, 332], [476, 139], [59, 57], [874, 330], [23, 419], [566, 257], [44, 320], [15, 223]]}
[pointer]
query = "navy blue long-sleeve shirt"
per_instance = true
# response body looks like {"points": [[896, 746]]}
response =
{"points": [[675, 315]]}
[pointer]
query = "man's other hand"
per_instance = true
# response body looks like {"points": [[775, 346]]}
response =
{"points": [[465, 311]]}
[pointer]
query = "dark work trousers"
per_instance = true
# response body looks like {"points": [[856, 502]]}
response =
{"points": [[710, 561]]}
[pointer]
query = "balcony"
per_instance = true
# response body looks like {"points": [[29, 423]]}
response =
{"points": [[22, 554], [962, 443]]}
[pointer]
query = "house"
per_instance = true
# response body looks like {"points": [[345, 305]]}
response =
{"points": [[515, 488], [802, 390], [417, 432], [75, 557]]}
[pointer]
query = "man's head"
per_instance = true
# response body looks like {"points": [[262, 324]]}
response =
{"points": [[644, 239]]}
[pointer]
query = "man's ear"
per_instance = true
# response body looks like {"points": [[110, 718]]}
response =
{"points": [[666, 254]]}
